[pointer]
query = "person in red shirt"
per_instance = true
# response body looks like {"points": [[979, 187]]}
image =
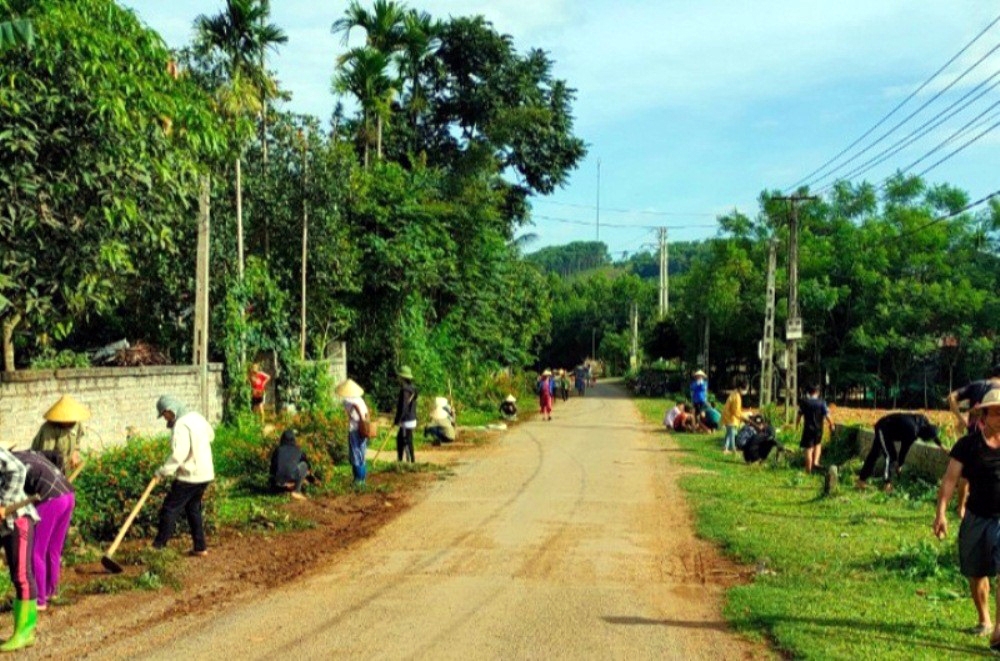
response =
{"points": [[258, 382]]}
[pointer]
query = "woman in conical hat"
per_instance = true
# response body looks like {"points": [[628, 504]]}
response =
{"points": [[60, 435], [508, 408], [356, 409]]}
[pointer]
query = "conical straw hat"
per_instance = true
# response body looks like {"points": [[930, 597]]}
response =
{"points": [[67, 409], [441, 402], [510, 398], [349, 388]]}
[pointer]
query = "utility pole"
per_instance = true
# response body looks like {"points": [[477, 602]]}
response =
{"points": [[634, 357], [199, 354], [664, 275], [793, 327], [305, 241], [593, 343], [767, 344], [598, 199]]}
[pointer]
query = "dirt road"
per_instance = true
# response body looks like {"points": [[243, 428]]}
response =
{"points": [[566, 539]]}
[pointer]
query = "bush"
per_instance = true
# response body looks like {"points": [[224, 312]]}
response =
{"points": [[51, 359], [113, 481]]}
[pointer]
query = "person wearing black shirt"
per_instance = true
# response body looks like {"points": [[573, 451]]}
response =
{"points": [[406, 414], [976, 457], [813, 411], [972, 394], [289, 466], [903, 428]]}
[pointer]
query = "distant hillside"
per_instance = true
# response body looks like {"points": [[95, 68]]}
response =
{"points": [[572, 258]]}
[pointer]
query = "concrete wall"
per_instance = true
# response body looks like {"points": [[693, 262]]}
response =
{"points": [[923, 459], [121, 399]]}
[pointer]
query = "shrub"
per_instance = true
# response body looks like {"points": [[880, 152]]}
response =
{"points": [[112, 483]]}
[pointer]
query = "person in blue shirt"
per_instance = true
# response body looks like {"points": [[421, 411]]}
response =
{"points": [[699, 393]]}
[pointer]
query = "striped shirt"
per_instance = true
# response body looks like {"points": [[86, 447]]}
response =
{"points": [[44, 479]]}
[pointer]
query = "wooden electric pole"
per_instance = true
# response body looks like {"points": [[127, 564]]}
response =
{"points": [[767, 344], [199, 354], [664, 275], [793, 326]]}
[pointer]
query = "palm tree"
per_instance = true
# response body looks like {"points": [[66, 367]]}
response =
{"points": [[241, 32], [420, 40], [364, 72], [383, 26]]}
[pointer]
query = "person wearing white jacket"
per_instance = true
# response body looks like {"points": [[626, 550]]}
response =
{"points": [[190, 463]]}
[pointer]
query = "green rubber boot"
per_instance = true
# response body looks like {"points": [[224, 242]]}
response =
{"points": [[25, 619]]}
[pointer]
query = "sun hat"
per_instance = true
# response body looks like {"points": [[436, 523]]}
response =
{"points": [[170, 403], [405, 372], [440, 402], [510, 398], [439, 414], [991, 399], [67, 409], [547, 373], [349, 388], [700, 373]]}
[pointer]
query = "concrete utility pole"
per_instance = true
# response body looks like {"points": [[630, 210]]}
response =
{"points": [[199, 354], [767, 344], [664, 275], [793, 327], [634, 357], [598, 199], [708, 327], [305, 242]]}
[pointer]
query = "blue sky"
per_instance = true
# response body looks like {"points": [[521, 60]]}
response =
{"points": [[694, 107]]}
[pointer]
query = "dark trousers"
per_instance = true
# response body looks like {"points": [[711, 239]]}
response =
{"points": [[884, 447], [404, 444], [19, 546], [182, 497]]}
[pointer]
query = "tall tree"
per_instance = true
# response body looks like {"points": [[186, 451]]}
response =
{"points": [[364, 72]]}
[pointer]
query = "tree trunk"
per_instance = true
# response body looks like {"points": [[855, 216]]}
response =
{"points": [[263, 171], [9, 324], [239, 219]]}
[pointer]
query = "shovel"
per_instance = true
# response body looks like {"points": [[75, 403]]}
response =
{"points": [[109, 564]]}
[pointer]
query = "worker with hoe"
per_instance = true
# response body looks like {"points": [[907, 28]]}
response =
{"points": [[190, 461], [976, 456], [406, 414], [903, 428], [60, 435], [17, 532]]}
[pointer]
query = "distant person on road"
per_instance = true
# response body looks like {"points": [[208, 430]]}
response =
{"points": [[190, 461], [977, 457], [903, 428], [564, 385], [289, 466], [813, 410], [406, 414], [508, 408], [543, 387], [357, 410], [258, 384], [18, 534], [732, 414], [55, 505], [60, 435], [699, 393], [581, 380]]}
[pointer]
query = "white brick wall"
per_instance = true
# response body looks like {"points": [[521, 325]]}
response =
{"points": [[119, 398]]}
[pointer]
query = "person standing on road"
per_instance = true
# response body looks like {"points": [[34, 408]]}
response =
{"points": [[564, 385], [18, 533], [699, 393], [60, 435], [406, 414], [190, 462], [814, 411], [732, 415], [581, 380], [904, 428], [976, 456], [55, 505], [357, 410], [544, 389]]}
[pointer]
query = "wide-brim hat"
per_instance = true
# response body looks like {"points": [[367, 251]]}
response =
{"points": [[349, 388], [700, 373], [441, 402], [991, 399], [547, 373], [67, 409], [405, 372], [510, 398], [439, 414]]}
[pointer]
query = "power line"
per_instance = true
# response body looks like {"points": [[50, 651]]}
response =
{"points": [[635, 211], [585, 223], [935, 221], [913, 114], [895, 109], [922, 130]]}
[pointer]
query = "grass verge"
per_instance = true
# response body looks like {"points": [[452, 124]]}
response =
{"points": [[856, 575]]}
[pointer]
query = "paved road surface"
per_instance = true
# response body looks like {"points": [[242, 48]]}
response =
{"points": [[566, 540]]}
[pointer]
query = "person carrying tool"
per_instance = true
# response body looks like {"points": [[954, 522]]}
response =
{"points": [[357, 410], [904, 428], [60, 435], [289, 466], [190, 461], [18, 533], [55, 504], [406, 414]]}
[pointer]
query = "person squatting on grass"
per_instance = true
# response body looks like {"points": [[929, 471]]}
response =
{"points": [[18, 532], [813, 410], [357, 410], [508, 408], [976, 456], [903, 428], [56, 501], [406, 414], [289, 466], [190, 461]]}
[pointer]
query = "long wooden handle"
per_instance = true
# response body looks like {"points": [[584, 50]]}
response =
{"points": [[76, 473], [132, 515], [13, 507]]}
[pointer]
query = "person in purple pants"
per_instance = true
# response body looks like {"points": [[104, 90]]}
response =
{"points": [[56, 501]]}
